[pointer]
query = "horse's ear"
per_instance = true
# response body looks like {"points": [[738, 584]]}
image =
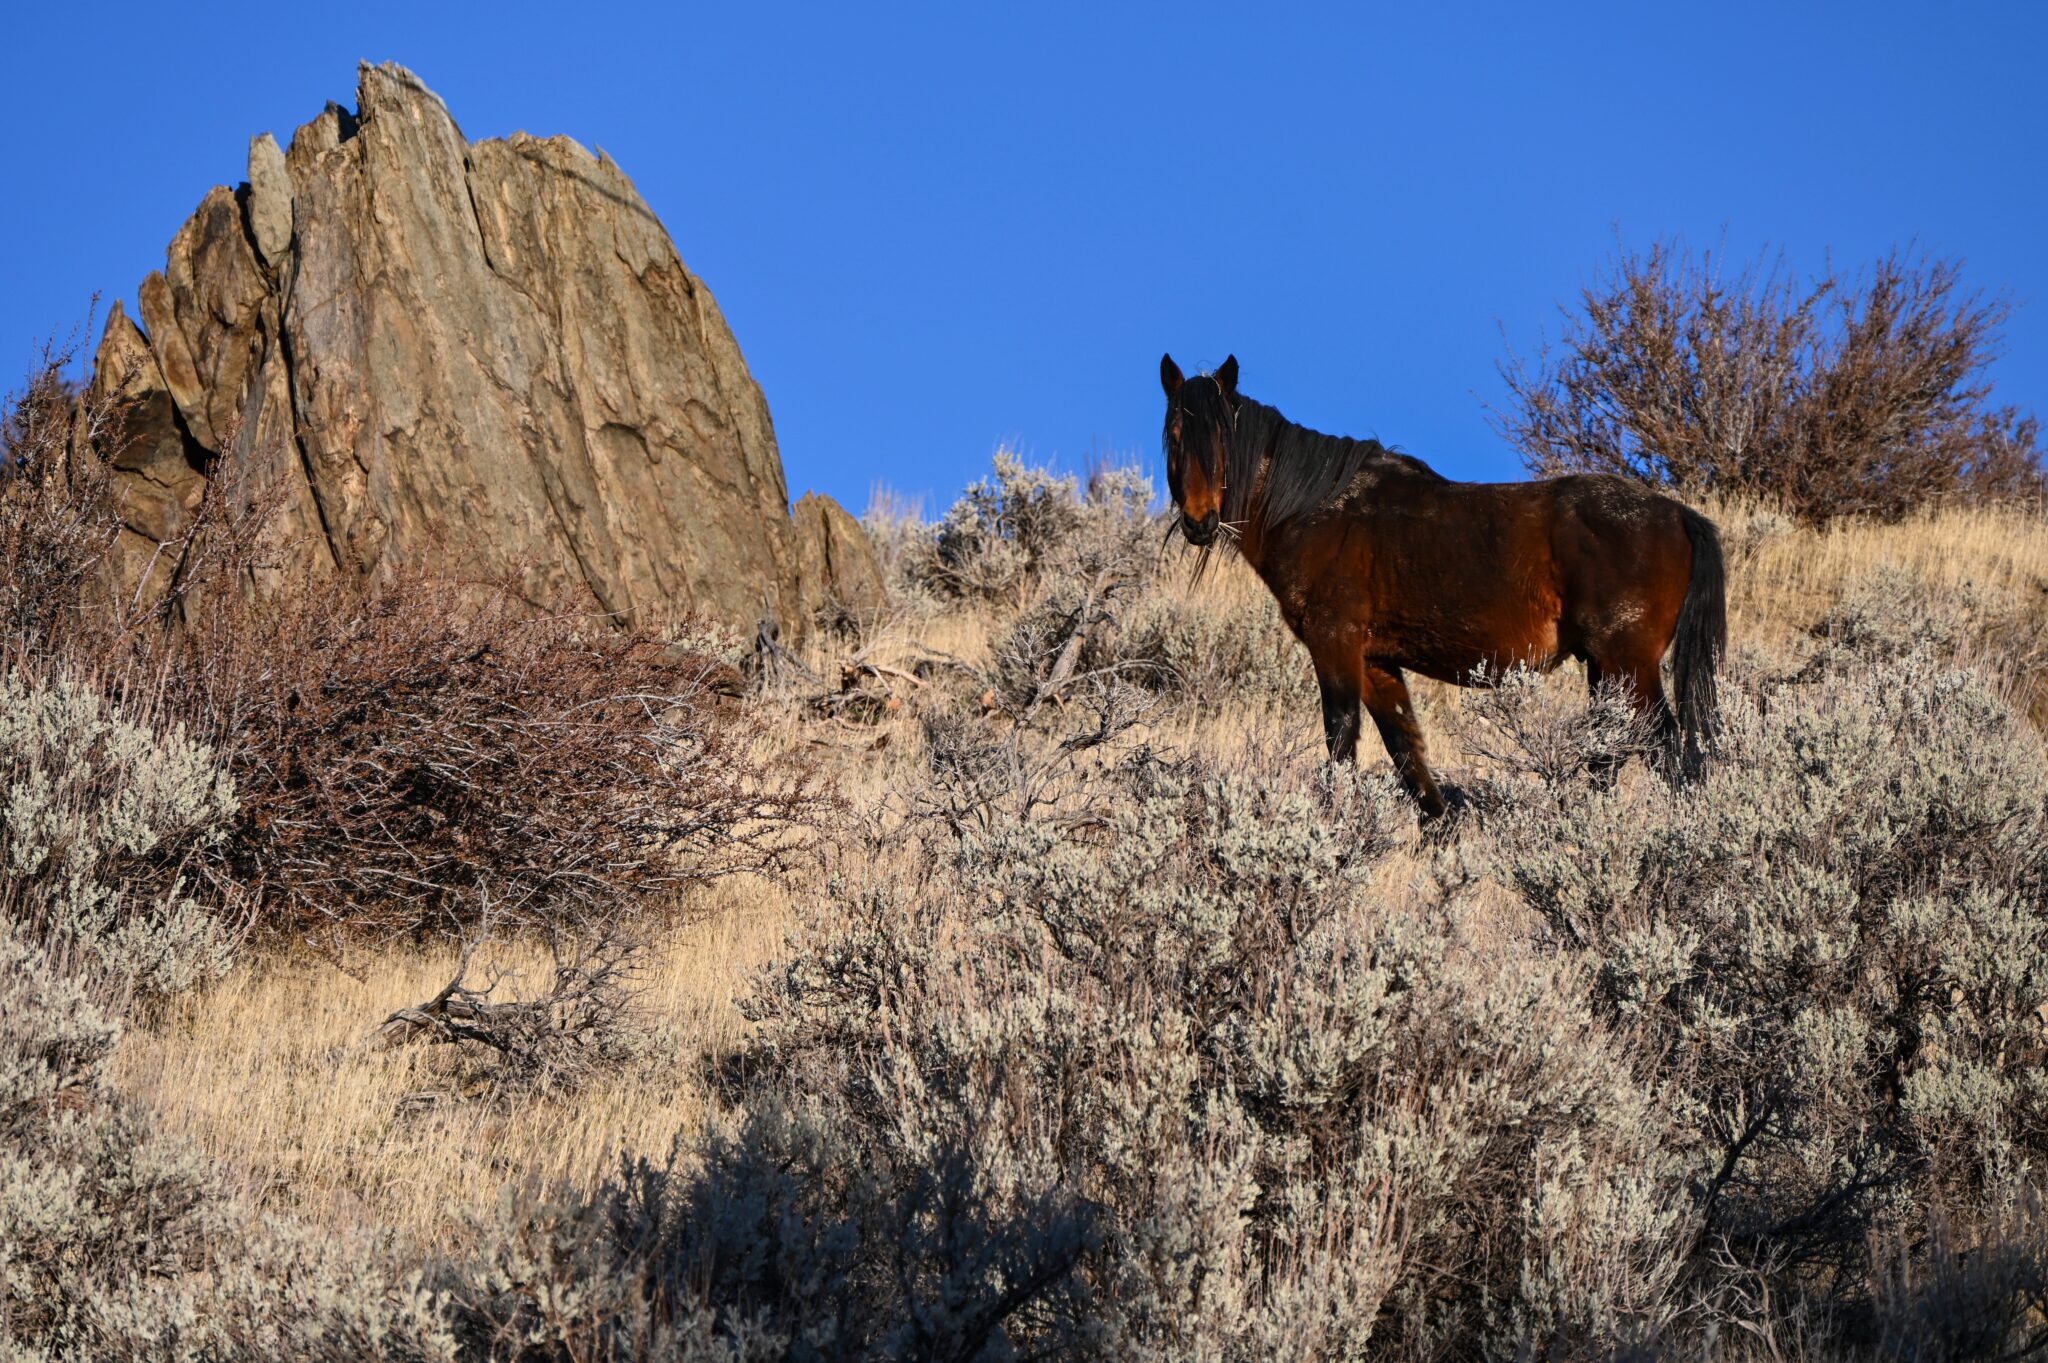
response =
{"points": [[1169, 375], [1226, 376]]}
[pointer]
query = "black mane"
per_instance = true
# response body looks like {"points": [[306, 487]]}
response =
{"points": [[1277, 470]]}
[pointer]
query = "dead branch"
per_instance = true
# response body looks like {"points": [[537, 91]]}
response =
{"points": [[556, 1040]]}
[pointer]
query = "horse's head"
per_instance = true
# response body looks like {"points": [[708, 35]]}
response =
{"points": [[1201, 416]]}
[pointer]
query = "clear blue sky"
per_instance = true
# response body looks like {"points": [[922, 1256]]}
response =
{"points": [[939, 228]]}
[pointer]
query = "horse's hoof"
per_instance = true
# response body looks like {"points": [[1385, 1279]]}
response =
{"points": [[1442, 813]]}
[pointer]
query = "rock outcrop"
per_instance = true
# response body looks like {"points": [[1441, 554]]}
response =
{"points": [[838, 574], [427, 347]]}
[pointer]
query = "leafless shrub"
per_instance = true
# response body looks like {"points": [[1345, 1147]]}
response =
{"points": [[1062, 643], [399, 748], [1028, 771], [57, 516], [404, 750], [65, 592], [1852, 395]]}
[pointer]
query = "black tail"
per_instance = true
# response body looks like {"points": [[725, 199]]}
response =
{"points": [[1702, 635]]}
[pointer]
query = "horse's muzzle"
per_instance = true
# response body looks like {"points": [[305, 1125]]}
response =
{"points": [[1201, 531]]}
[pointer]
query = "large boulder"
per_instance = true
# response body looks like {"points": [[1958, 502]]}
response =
{"points": [[487, 352]]}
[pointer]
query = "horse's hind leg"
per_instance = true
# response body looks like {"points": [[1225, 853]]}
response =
{"points": [[1637, 672], [1387, 701], [1602, 766]]}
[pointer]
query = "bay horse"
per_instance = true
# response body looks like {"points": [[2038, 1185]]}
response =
{"points": [[1382, 566]]}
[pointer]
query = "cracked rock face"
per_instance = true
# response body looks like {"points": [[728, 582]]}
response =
{"points": [[488, 351]]}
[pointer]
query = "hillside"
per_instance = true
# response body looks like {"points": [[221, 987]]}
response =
{"points": [[1000, 918]]}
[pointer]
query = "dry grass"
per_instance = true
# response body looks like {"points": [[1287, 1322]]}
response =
{"points": [[274, 1074], [1785, 581], [1987, 565], [270, 1072]]}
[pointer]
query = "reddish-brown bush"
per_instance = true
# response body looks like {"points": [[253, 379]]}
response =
{"points": [[408, 755], [57, 518], [1855, 394]]}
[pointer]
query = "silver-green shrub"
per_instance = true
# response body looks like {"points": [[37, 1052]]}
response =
{"points": [[87, 1207], [1285, 1118], [781, 1238], [1210, 655], [1169, 1077], [106, 819], [1839, 942], [1892, 612], [1089, 560], [1017, 525], [115, 1243]]}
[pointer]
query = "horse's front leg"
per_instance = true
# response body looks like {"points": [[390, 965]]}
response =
{"points": [[1340, 713], [1387, 701]]}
